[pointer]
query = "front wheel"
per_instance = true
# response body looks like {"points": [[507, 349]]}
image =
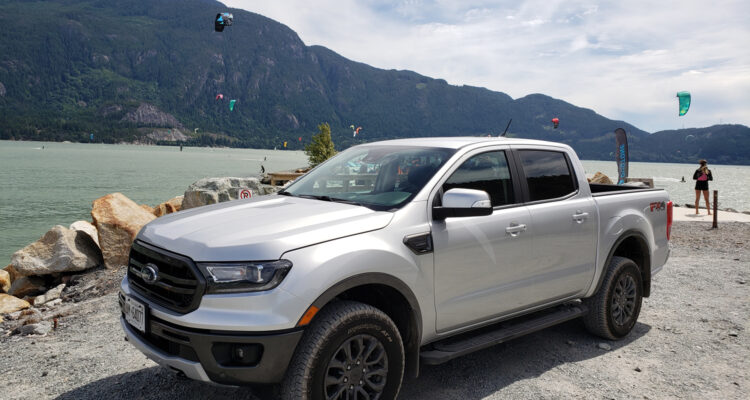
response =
{"points": [[350, 351], [614, 309]]}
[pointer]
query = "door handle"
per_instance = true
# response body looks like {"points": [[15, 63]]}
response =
{"points": [[580, 216], [515, 229]]}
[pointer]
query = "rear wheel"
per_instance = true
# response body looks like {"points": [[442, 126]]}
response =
{"points": [[614, 309], [350, 351]]}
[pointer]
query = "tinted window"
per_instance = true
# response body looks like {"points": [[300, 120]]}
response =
{"points": [[488, 172], [547, 174]]}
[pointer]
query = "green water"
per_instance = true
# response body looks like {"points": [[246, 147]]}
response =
{"points": [[40, 188]]}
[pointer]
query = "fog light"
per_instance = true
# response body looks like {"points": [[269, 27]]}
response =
{"points": [[237, 354]]}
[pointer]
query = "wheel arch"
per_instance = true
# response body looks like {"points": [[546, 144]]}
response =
{"points": [[632, 244], [390, 295]]}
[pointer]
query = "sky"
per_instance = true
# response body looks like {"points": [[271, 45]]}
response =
{"points": [[626, 60]]}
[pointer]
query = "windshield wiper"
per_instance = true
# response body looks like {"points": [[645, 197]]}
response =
{"points": [[284, 193], [333, 199]]}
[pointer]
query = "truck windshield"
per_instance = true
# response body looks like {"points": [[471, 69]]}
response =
{"points": [[378, 177]]}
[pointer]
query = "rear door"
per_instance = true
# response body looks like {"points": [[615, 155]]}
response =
{"points": [[563, 253]]}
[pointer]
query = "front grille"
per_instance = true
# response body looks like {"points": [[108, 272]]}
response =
{"points": [[180, 285]]}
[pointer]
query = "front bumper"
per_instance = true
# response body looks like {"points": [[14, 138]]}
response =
{"points": [[229, 358]]}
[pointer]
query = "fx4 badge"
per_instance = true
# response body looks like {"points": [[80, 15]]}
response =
{"points": [[658, 206]]}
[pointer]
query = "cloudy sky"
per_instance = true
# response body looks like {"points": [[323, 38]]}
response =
{"points": [[624, 59]]}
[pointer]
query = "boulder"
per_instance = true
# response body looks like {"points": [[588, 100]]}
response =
{"points": [[9, 304], [11, 271], [147, 208], [51, 294], [172, 205], [4, 281], [27, 286], [601, 178], [117, 219], [216, 190], [59, 250], [87, 228]]}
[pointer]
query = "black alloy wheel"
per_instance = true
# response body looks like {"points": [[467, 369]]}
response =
{"points": [[358, 370], [614, 308], [350, 351]]}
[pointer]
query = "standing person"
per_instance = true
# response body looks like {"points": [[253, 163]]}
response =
{"points": [[701, 176]]}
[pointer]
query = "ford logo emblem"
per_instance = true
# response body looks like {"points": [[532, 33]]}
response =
{"points": [[150, 273]]}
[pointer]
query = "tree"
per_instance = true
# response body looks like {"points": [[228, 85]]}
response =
{"points": [[321, 147]]}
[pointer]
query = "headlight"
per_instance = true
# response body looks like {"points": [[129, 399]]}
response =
{"points": [[244, 276]]}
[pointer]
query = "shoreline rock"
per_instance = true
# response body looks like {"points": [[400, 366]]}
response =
{"points": [[59, 250], [216, 190], [117, 219], [9, 304]]}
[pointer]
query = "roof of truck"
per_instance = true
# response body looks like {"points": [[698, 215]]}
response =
{"points": [[460, 141]]}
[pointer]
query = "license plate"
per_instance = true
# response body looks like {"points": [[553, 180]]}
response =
{"points": [[135, 313]]}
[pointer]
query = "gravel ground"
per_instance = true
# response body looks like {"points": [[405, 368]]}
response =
{"points": [[691, 342]]}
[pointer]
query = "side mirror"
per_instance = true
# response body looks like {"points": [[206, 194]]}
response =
{"points": [[463, 203]]}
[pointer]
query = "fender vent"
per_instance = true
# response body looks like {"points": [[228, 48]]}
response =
{"points": [[420, 243]]}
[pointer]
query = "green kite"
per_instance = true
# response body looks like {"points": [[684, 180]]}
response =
{"points": [[684, 102]]}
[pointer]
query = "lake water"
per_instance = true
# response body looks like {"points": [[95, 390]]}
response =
{"points": [[43, 184]]}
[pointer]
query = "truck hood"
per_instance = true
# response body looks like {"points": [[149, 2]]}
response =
{"points": [[258, 229]]}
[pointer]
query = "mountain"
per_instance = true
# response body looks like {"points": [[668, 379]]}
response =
{"points": [[134, 70]]}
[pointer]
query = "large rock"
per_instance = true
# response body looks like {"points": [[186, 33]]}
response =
{"points": [[27, 286], [59, 250], [87, 228], [4, 281], [172, 205], [117, 219], [50, 295], [601, 178], [215, 190], [9, 304]]}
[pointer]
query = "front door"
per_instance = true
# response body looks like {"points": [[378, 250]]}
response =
{"points": [[479, 270]]}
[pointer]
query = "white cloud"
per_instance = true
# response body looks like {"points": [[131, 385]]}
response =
{"points": [[625, 60]]}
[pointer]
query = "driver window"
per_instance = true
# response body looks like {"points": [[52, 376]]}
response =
{"points": [[487, 171]]}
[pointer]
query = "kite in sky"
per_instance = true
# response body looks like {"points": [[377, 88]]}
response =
{"points": [[684, 102]]}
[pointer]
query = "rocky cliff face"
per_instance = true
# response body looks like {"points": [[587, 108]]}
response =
{"points": [[147, 114]]}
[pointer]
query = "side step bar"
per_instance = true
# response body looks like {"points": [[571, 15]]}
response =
{"points": [[448, 349]]}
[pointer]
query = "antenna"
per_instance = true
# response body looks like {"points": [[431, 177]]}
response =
{"points": [[506, 128]]}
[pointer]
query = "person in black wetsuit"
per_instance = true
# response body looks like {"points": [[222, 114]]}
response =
{"points": [[701, 176]]}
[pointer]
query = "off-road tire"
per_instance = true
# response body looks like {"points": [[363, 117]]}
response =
{"points": [[332, 329], [614, 309]]}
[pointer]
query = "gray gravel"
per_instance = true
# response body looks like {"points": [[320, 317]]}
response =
{"points": [[691, 342]]}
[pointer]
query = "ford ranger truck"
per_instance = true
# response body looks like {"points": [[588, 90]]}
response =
{"points": [[388, 255]]}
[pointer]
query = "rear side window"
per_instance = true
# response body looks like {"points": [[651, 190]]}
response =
{"points": [[487, 171], [547, 174]]}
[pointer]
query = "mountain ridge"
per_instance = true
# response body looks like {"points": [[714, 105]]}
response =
{"points": [[94, 62]]}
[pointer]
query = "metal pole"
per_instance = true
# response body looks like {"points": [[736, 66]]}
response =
{"points": [[716, 210]]}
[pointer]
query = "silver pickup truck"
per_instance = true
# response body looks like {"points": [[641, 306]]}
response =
{"points": [[389, 255]]}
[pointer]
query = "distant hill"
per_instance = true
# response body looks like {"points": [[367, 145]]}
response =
{"points": [[132, 70]]}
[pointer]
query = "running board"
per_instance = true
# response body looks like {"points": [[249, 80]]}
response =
{"points": [[457, 346]]}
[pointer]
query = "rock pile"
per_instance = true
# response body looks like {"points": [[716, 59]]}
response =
{"points": [[86, 259], [216, 190], [67, 264]]}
